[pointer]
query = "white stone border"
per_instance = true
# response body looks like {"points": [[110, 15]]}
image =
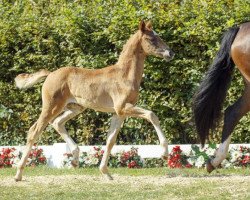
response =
{"points": [[54, 153]]}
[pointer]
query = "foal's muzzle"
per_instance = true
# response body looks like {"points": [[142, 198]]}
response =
{"points": [[168, 55]]}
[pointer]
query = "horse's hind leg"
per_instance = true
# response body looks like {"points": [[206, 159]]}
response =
{"points": [[231, 118], [116, 123], [59, 125]]}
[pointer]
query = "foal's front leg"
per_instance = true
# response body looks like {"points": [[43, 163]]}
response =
{"points": [[115, 126], [134, 111]]}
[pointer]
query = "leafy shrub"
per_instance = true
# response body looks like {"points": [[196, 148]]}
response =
{"points": [[198, 157], [154, 162]]}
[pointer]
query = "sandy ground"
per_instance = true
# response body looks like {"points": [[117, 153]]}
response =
{"points": [[118, 179], [143, 187]]}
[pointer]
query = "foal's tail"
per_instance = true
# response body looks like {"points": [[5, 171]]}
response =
{"points": [[24, 81], [209, 98]]}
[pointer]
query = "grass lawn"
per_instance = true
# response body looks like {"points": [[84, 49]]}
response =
{"points": [[153, 183]]}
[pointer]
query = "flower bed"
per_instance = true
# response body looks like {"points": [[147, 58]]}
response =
{"points": [[177, 159], [237, 157], [129, 159], [9, 157]]}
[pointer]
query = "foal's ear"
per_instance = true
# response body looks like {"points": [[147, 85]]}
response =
{"points": [[142, 26], [149, 25]]}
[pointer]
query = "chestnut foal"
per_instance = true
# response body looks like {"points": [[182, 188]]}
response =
{"points": [[68, 91]]}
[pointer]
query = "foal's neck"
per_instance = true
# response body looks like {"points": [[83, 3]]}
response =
{"points": [[131, 60]]}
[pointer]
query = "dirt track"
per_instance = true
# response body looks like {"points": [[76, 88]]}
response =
{"points": [[125, 187], [118, 179]]}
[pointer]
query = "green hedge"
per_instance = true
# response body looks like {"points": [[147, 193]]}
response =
{"points": [[37, 34]]}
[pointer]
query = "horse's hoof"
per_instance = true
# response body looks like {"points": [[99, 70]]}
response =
{"points": [[209, 166]]}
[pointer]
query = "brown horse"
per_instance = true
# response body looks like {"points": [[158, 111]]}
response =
{"points": [[68, 91], [208, 101]]}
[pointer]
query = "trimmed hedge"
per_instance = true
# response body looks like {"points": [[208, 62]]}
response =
{"points": [[39, 34]]}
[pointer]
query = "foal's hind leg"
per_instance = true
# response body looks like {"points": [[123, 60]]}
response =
{"points": [[59, 125], [51, 108], [115, 126], [231, 117], [33, 134]]}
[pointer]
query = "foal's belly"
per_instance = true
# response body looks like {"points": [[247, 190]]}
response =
{"points": [[96, 105]]}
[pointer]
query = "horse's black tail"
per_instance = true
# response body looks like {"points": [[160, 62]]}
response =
{"points": [[209, 98]]}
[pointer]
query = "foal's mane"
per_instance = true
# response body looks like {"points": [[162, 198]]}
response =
{"points": [[129, 48]]}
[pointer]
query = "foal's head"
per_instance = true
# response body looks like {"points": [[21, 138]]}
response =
{"points": [[152, 44]]}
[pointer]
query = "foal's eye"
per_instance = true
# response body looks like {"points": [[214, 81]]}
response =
{"points": [[152, 40]]}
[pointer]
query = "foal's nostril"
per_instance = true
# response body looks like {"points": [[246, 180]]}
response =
{"points": [[171, 54]]}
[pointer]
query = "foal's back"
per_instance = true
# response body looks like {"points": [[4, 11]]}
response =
{"points": [[86, 87]]}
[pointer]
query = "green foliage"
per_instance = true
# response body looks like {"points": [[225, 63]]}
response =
{"points": [[154, 162], [51, 34]]}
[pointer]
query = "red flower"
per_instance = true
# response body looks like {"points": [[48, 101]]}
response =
{"points": [[6, 151], [177, 156], [177, 149], [177, 159], [42, 159], [132, 164], [7, 162], [126, 155], [246, 160], [188, 165]]}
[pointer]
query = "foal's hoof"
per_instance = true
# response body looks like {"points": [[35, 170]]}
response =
{"points": [[209, 166], [19, 174], [75, 163], [108, 177], [164, 157], [17, 179]]}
